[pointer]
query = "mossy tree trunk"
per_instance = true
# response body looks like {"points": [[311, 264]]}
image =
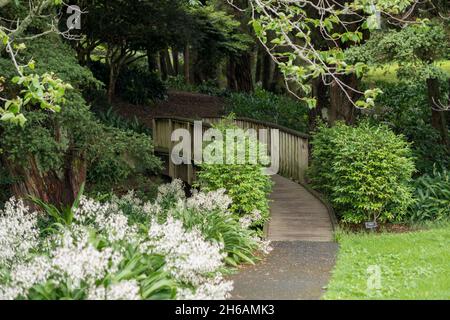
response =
{"points": [[58, 188], [341, 100]]}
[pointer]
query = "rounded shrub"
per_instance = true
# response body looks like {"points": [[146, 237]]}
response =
{"points": [[246, 183], [364, 170]]}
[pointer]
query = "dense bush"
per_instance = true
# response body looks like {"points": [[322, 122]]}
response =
{"points": [[112, 154], [404, 108], [364, 170], [113, 119], [121, 249], [117, 154], [267, 106], [139, 86], [209, 87], [432, 197], [246, 184]]}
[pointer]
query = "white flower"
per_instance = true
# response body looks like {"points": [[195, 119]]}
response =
{"points": [[107, 218], [214, 200], [215, 289], [171, 190], [31, 273], [248, 220], [77, 260], [18, 232], [124, 290], [189, 257]]}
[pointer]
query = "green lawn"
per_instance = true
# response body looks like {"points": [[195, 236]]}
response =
{"points": [[411, 266], [387, 73]]}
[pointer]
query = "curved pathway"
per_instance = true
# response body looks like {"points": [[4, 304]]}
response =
{"points": [[301, 232], [297, 215]]}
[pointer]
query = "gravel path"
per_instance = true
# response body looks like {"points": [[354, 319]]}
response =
{"points": [[295, 270]]}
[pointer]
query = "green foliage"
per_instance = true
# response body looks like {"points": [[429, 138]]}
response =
{"points": [[208, 87], [112, 154], [55, 217], [267, 106], [240, 243], [52, 54], [113, 119], [298, 38], [404, 108], [139, 86], [432, 197], [117, 154], [216, 35], [414, 48], [135, 83], [246, 184], [30, 89], [364, 170]]}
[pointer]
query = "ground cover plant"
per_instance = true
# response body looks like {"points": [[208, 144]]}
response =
{"points": [[432, 197], [171, 248]]}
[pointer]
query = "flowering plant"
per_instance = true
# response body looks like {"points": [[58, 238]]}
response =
{"points": [[172, 248]]}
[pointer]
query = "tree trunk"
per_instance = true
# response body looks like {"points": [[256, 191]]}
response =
{"points": [[186, 67], [277, 84], [243, 72], [163, 65], [152, 61], [170, 70], [341, 108], [319, 91], [231, 75], [259, 64], [267, 69], [438, 120], [176, 62], [57, 188], [113, 74]]}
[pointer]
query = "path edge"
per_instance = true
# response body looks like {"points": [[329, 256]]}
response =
{"points": [[324, 201]]}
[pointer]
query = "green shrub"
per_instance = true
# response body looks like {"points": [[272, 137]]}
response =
{"points": [[432, 197], [117, 154], [404, 108], [266, 106], [364, 170], [113, 119], [246, 184], [112, 154], [139, 86]]}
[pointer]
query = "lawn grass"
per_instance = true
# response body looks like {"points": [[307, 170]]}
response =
{"points": [[388, 72], [412, 265]]}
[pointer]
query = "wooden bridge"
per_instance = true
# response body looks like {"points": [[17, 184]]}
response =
{"points": [[297, 212]]}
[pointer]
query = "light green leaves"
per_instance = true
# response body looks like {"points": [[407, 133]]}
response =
{"points": [[45, 91]]}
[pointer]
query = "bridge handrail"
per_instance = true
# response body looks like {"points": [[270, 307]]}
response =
{"points": [[293, 147]]}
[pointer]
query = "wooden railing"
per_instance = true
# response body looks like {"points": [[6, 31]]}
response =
{"points": [[293, 145]]}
